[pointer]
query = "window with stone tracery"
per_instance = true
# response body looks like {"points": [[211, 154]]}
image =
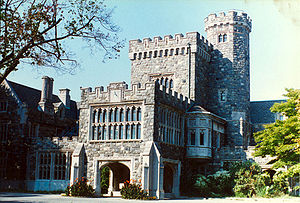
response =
{"points": [[122, 123], [170, 126], [53, 165]]}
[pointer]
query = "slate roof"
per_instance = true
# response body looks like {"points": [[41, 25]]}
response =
{"points": [[197, 108], [260, 111], [31, 97]]}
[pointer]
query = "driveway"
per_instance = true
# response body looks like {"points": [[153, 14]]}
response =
{"points": [[34, 197]]}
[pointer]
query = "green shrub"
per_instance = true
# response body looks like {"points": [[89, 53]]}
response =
{"points": [[200, 186], [80, 188], [104, 180], [250, 181], [133, 191], [220, 183]]}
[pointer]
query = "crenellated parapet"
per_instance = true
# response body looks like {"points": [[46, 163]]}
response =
{"points": [[171, 97], [170, 46], [230, 18]]}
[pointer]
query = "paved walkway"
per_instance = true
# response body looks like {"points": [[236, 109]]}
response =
{"points": [[33, 197]]}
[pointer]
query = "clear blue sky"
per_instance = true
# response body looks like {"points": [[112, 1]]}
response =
{"points": [[274, 43]]}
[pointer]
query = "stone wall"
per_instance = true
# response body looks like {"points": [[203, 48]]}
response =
{"points": [[177, 58], [229, 73]]}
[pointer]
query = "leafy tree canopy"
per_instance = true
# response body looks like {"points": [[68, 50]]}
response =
{"points": [[282, 138], [36, 32]]}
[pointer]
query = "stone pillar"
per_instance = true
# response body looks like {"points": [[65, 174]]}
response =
{"points": [[97, 178], [46, 95], [111, 182], [176, 182]]}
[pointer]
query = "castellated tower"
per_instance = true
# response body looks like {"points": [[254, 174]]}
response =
{"points": [[180, 63], [229, 84]]}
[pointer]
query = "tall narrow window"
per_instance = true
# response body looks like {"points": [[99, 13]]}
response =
{"points": [[44, 166], [100, 132], [193, 137], [3, 133], [182, 51], [139, 114], [167, 83], [94, 116], [220, 38], [121, 134], [171, 52], [60, 166], [121, 115], [140, 56], [224, 38], [104, 132], [116, 133], [110, 116], [110, 132], [138, 131], [166, 52], [162, 81], [93, 132], [177, 51], [116, 117], [127, 131], [3, 105], [155, 54], [100, 116], [133, 131], [201, 138], [133, 114], [161, 53], [171, 83], [128, 117], [104, 116]]}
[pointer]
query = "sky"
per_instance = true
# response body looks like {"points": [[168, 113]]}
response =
{"points": [[274, 43]]}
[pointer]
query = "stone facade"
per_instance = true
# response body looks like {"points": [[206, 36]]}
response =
{"points": [[186, 112]]}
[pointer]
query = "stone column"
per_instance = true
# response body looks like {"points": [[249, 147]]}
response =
{"points": [[111, 182], [176, 182]]}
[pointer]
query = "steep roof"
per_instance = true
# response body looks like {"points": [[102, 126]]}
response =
{"points": [[260, 111], [31, 97]]}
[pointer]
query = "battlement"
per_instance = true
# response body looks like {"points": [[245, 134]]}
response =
{"points": [[169, 46], [230, 18], [173, 97]]}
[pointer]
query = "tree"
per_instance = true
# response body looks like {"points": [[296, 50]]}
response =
{"points": [[282, 138], [37, 32]]}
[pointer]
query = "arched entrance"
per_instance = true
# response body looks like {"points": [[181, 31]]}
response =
{"points": [[168, 178], [117, 175]]}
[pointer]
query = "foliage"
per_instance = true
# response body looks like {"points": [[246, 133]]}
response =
{"points": [[104, 180], [282, 138], [133, 191], [200, 185], [38, 32], [249, 181], [220, 183], [80, 188]]}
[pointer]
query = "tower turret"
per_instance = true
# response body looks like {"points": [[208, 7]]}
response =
{"points": [[230, 77]]}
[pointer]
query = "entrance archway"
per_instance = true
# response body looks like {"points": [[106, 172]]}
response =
{"points": [[168, 179], [118, 174]]}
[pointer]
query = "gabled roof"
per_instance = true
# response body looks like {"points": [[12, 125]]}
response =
{"points": [[260, 111], [31, 97]]}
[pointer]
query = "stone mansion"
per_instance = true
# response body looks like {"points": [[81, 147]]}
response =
{"points": [[188, 111]]}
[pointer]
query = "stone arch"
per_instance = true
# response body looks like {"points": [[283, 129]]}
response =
{"points": [[120, 171]]}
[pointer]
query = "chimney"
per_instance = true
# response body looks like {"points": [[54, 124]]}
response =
{"points": [[46, 95], [64, 96]]}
